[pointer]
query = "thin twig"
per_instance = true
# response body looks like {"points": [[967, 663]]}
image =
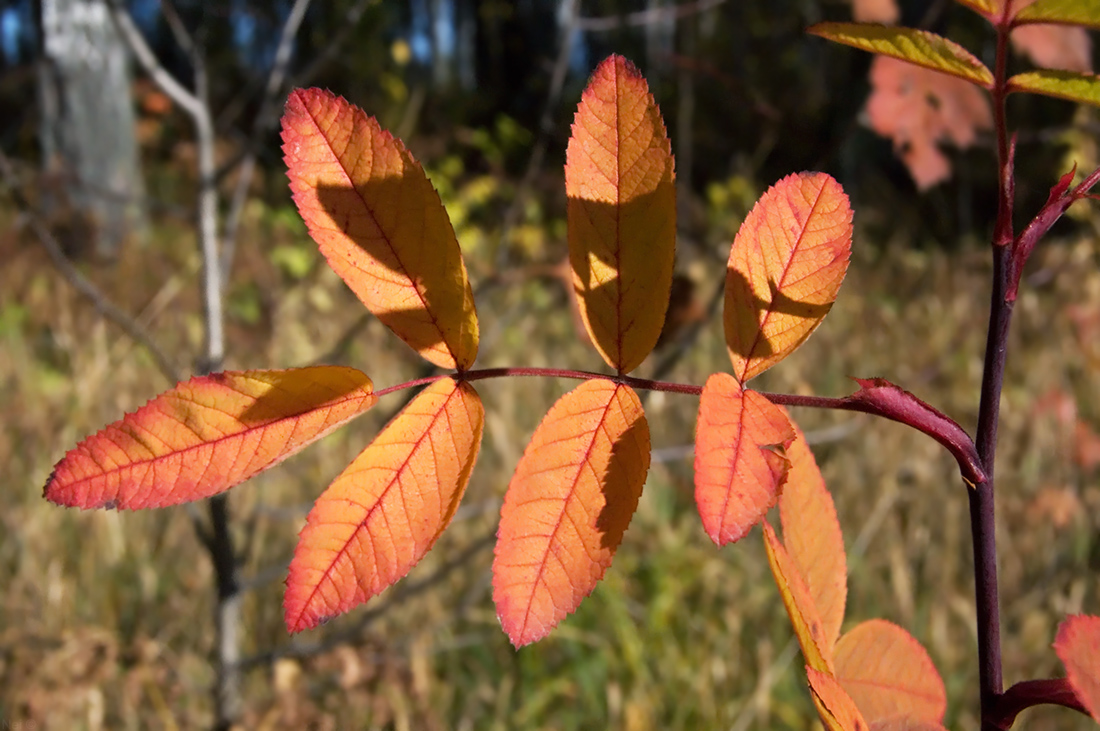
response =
{"points": [[260, 125]]}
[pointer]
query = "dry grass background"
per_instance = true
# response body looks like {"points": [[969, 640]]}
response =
{"points": [[105, 618]]}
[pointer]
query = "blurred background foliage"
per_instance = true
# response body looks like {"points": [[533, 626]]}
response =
{"points": [[103, 616]]}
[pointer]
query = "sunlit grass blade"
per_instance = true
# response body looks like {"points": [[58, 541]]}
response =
{"points": [[915, 46], [206, 435], [384, 512]]}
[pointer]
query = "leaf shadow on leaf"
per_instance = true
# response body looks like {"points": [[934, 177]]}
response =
{"points": [[415, 325], [641, 217], [619, 505], [280, 403], [761, 347]]}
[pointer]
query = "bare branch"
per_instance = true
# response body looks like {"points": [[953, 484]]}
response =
{"points": [[148, 60], [179, 30], [102, 304], [275, 79]]}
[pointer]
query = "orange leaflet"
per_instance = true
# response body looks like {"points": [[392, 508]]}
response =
{"points": [[380, 223], [785, 268], [572, 497], [905, 723], [207, 435], [386, 510], [1078, 647], [740, 460], [812, 536], [888, 674], [622, 213], [799, 603], [835, 707]]}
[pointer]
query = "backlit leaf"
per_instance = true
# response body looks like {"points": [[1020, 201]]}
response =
{"points": [[837, 710], [1069, 12], [888, 674], [386, 510], [915, 46], [982, 7], [622, 213], [785, 268], [568, 505], [206, 435], [1083, 88], [740, 457], [380, 224], [919, 110], [812, 536], [1078, 647], [799, 603]]}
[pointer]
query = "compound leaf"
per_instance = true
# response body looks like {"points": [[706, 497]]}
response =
{"points": [[1078, 647], [380, 224], [621, 212], [915, 46], [740, 457], [812, 536], [785, 269], [1076, 87], [799, 603], [384, 512], [568, 505], [206, 435], [888, 674]]}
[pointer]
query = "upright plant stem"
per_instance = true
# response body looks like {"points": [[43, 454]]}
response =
{"points": [[982, 512]]}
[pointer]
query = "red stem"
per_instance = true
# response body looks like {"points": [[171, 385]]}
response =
{"points": [[953, 439], [982, 513], [1020, 697]]}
